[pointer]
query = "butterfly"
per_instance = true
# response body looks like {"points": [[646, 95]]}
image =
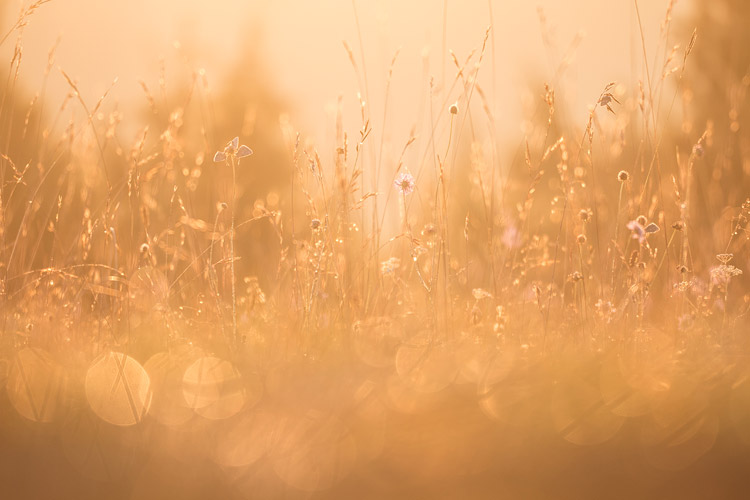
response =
{"points": [[232, 150]]}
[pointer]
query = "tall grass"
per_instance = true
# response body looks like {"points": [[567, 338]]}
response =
{"points": [[456, 317]]}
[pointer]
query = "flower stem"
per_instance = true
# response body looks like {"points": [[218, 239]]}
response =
{"points": [[231, 252]]}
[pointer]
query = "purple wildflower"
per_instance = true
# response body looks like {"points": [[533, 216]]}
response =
{"points": [[638, 231]]}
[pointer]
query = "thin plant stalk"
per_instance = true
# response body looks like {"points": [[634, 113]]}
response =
{"points": [[231, 251]]}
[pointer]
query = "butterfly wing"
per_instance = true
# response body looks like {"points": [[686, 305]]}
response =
{"points": [[219, 157], [235, 143], [652, 228], [244, 151]]}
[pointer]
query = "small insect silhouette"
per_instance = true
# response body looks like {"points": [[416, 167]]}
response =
{"points": [[606, 98], [232, 150]]}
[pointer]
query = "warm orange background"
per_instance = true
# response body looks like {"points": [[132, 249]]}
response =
{"points": [[300, 46]]}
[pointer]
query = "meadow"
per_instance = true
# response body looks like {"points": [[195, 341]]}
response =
{"points": [[199, 301]]}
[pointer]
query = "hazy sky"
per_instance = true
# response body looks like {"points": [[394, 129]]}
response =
{"points": [[301, 45]]}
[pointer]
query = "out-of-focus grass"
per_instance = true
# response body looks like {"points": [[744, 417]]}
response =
{"points": [[567, 321]]}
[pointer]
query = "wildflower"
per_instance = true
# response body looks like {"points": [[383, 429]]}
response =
{"points": [[605, 310], [639, 232], [581, 239], [603, 306], [404, 183], [584, 215], [623, 176], [720, 275], [453, 109], [390, 266], [575, 276], [232, 150], [684, 285]]}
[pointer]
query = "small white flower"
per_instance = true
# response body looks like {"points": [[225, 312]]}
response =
{"points": [[721, 275], [404, 183], [390, 266], [481, 293]]}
